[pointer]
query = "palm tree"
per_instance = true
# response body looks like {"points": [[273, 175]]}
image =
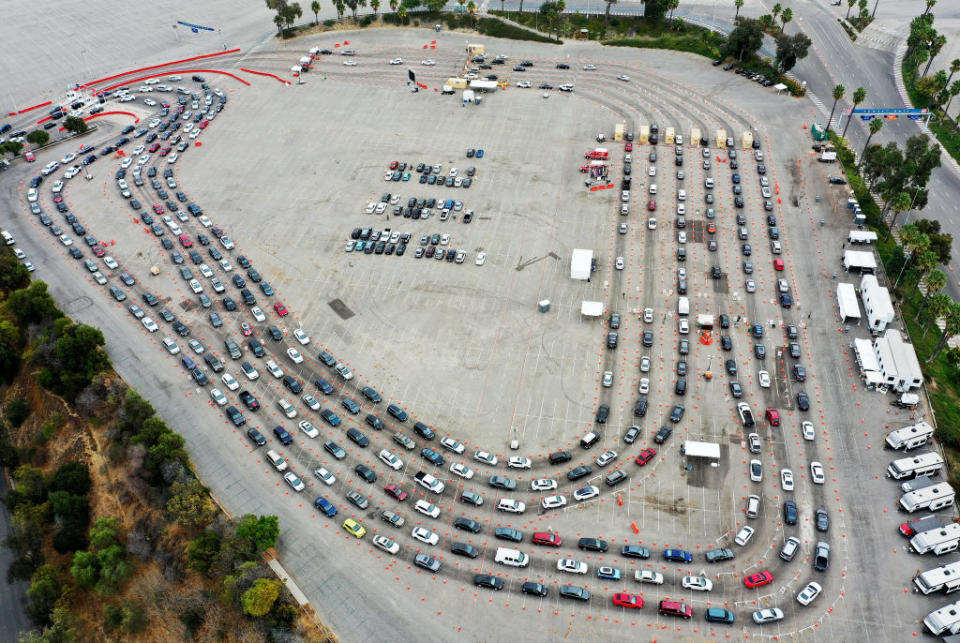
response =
{"points": [[937, 307], [393, 5], [375, 5], [875, 126], [737, 4], [341, 8], [610, 3], [901, 203], [936, 281], [935, 46], [838, 93], [927, 261], [786, 17], [315, 8], [672, 5], [850, 4], [402, 13], [951, 318], [954, 90], [278, 20], [471, 9], [501, 6], [858, 97], [776, 11], [561, 7]]}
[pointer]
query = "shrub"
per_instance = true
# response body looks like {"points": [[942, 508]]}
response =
{"points": [[329, 23], [18, 410]]}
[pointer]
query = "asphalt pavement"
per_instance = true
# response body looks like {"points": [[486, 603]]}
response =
{"points": [[13, 596]]}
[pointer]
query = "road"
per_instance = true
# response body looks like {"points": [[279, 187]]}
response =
{"points": [[13, 596]]}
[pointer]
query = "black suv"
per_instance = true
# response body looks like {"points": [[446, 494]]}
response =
{"points": [[663, 434]]}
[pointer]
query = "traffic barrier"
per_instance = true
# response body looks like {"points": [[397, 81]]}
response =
{"points": [[634, 527], [619, 499]]}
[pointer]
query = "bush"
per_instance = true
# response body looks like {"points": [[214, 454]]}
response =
{"points": [[329, 23], [367, 20], [259, 599], [18, 410]]}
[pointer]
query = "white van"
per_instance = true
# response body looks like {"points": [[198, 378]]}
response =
{"points": [[753, 507], [511, 557], [683, 306], [775, 247], [278, 462], [7, 238]]}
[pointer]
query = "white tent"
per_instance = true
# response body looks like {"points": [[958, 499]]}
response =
{"points": [[866, 357], [483, 85], [707, 450], [859, 260], [861, 236], [591, 308], [780, 87], [847, 302], [580, 263]]}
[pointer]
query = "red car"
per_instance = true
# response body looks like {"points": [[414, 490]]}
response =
{"points": [[185, 240], [245, 329], [651, 205], [628, 147], [97, 250], [158, 208], [165, 151], [165, 104], [778, 264], [393, 165], [546, 538], [396, 492], [645, 456], [758, 580], [773, 417], [204, 124], [623, 599], [712, 228], [58, 198], [280, 309], [154, 147]]}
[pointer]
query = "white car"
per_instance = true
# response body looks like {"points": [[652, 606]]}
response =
{"points": [[391, 460], [295, 482], [195, 286], [652, 171], [764, 379], [586, 493], [571, 566], [486, 458], [173, 157], [69, 158], [681, 209], [786, 479], [388, 545], [519, 462], [524, 84], [768, 615], [750, 285], [428, 62], [229, 380], [624, 78], [589, 67], [57, 187], [461, 470], [756, 471], [606, 458], [301, 336], [652, 223], [196, 346], [274, 369], [681, 237], [427, 509], [645, 364], [396, 61], [171, 346], [644, 387], [205, 270], [225, 265], [744, 535], [72, 172], [697, 583], [543, 484], [450, 444], [607, 380], [343, 371], [350, 63], [66, 240], [311, 402], [258, 314], [218, 397], [652, 189], [110, 262], [816, 473], [512, 506], [808, 431], [250, 371], [205, 221], [286, 408], [32, 195], [308, 428], [154, 123], [294, 355], [648, 576], [149, 102], [481, 258], [619, 263], [809, 593], [324, 476], [372, 206], [553, 502], [782, 285], [425, 535], [683, 326]]}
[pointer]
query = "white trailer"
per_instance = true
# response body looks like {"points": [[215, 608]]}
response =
{"points": [[910, 437], [939, 541], [944, 620], [580, 264], [922, 464], [932, 498], [945, 578], [920, 482]]}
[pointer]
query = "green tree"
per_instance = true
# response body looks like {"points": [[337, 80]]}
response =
{"points": [[653, 9], [790, 49], [85, 569], [951, 318], [786, 17], [394, 4], [953, 91], [203, 551], [105, 532], [33, 304], [937, 307], [75, 359], [259, 599], [75, 124], [13, 275], [190, 504], [606, 15], [278, 20], [261, 532], [9, 351], [38, 137], [45, 590], [924, 263], [745, 39], [738, 4], [936, 281], [11, 147], [776, 10], [114, 570], [672, 6], [315, 8], [18, 410], [850, 4], [930, 5], [936, 46], [73, 477], [31, 487], [27, 538], [858, 97], [375, 5], [899, 203], [354, 5], [875, 126], [402, 12]]}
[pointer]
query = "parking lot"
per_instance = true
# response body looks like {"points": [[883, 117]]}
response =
{"points": [[287, 171]]}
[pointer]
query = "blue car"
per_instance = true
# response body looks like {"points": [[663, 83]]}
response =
{"points": [[330, 417], [433, 456], [480, 153], [397, 412], [677, 556], [350, 405], [610, 573], [325, 506], [324, 386]]}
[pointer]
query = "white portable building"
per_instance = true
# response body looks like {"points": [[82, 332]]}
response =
{"points": [[861, 260], [847, 302], [591, 308], [867, 360], [580, 264], [876, 303], [898, 362]]}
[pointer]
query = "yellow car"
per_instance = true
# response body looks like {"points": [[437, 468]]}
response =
{"points": [[354, 528]]}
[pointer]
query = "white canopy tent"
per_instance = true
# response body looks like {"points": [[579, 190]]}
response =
{"points": [[580, 263], [483, 85], [591, 308], [859, 260], [847, 302], [694, 449]]}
